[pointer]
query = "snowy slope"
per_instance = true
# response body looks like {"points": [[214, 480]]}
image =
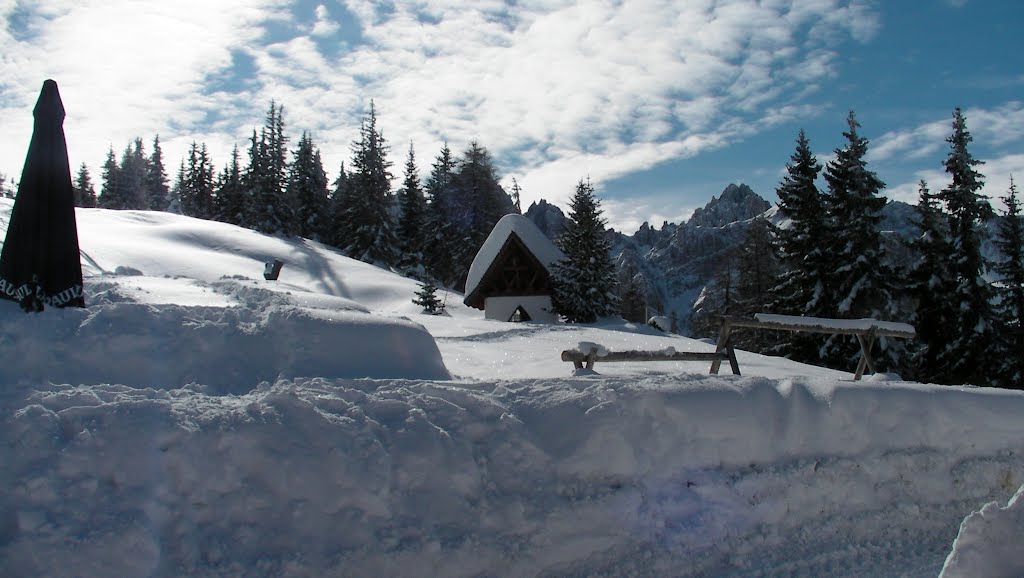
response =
{"points": [[198, 420]]}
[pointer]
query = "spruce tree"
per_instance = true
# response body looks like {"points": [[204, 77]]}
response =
{"points": [[426, 298], [133, 169], [85, 192], [230, 189], [974, 337], [517, 193], [155, 179], [367, 211], [411, 219], [195, 186], [334, 227], [6, 187], [801, 287], [930, 285], [1010, 241], [111, 193], [757, 269], [584, 282], [307, 188], [266, 178], [859, 283], [442, 236]]}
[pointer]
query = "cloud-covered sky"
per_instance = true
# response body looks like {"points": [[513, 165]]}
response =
{"points": [[661, 103]]}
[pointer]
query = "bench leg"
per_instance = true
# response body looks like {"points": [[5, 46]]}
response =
{"points": [[735, 365], [723, 347], [866, 343]]}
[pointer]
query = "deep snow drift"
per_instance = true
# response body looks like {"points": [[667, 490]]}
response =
{"points": [[196, 419]]}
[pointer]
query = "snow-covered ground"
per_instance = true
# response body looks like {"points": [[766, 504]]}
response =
{"points": [[198, 420]]}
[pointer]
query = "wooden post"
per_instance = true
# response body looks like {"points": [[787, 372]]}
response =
{"points": [[867, 341], [723, 346]]}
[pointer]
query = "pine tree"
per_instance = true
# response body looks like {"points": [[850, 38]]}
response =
{"points": [[443, 238], [155, 180], [584, 282], [426, 298], [859, 282], [307, 188], [367, 211], [478, 202], [111, 194], [85, 192], [757, 269], [1010, 241], [335, 228], [930, 284], [230, 192], [974, 338], [411, 218], [133, 169], [517, 193], [802, 284], [195, 186], [266, 178]]}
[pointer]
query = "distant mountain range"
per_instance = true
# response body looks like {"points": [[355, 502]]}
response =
{"points": [[674, 263]]}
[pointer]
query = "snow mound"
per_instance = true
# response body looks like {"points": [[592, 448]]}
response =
{"points": [[226, 349], [989, 543]]}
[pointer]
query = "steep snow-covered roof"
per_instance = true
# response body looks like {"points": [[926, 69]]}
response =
{"points": [[542, 248]]}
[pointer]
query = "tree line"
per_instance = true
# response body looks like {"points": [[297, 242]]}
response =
{"points": [[429, 230], [831, 261]]}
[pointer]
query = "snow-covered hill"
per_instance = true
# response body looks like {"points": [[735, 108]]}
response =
{"points": [[198, 420]]}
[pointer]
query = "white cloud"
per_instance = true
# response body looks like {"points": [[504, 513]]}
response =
{"points": [[556, 89], [324, 26]]}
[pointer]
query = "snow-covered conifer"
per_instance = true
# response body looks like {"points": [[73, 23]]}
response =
{"points": [[155, 179], [1009, 239], [111, 194], [85, 192], [971, 349], [426, 298], [411, 218], [230, 200], [931, 286], [801, 285], [584, 282], [370, 229], [442, 236], [859, 282], [307, 189], [266, 177]]}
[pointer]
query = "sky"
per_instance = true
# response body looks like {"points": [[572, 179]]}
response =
{"points": [[661, 104]]}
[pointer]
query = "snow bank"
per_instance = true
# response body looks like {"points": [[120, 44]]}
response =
{"points": [[228, 349], [990, 542], [580, 476]]}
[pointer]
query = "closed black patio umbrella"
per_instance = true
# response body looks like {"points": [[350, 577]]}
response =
{"points": [[40, 263]]}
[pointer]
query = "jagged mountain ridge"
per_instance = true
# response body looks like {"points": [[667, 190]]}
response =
{"points": [[674, 263]]}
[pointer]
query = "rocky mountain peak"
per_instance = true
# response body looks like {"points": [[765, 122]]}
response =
{"points": [[736, 203]]}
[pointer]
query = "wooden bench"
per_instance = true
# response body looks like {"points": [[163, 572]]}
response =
{"points": [[866, 331]]}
